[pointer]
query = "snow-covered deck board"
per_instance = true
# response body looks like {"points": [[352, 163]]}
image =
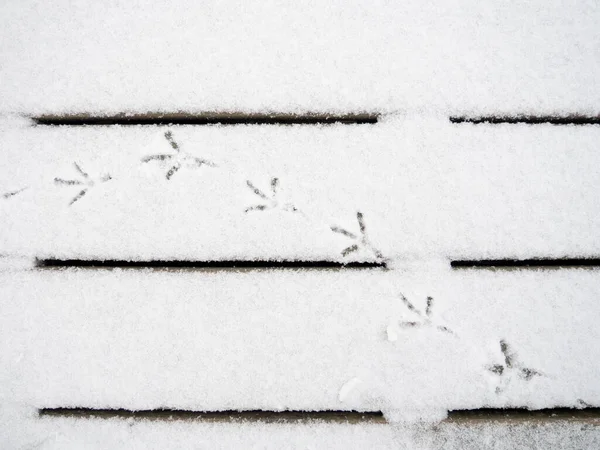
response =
{"points": [[426, 188], [291, 340], [455, 57]]}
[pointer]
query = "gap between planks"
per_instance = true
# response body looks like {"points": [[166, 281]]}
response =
{"points": [[283, 118], [493, 264], [211, 118], [574, 119], [534, 263], [205, 265], [589, 416]]}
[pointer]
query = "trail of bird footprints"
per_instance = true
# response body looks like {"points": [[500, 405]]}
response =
{"points": [[506, 370], [179, 159]]}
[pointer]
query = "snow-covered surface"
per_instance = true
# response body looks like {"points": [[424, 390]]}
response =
{"points": [[413, 190], [427, 189], [29, 432], [299, 340], [460, 56]]}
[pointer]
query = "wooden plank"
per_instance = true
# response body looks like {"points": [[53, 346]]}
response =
{"points": [[300, 340], [178, 433], [479, 57], [426, 189]]}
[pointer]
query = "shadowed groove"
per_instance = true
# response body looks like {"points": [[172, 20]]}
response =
{"points": [[534, 262], [528, 119], [243, 264], [517, 415], [168, 119], [588, 415], [217, 416]]}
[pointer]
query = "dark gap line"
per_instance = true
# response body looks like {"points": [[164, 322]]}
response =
{"points": [[482, 415], [522, 414], [538, 262], [533, 120], [217, 416], [244, 264], [206, 119]]}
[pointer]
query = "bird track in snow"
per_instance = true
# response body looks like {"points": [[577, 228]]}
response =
{"points": [[85, 180], [361, 240], [178, 159], [13, 193], [510, 367], [269, 201], [423, 320]]}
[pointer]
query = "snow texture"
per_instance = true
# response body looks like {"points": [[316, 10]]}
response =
{"points": [[403, 190], [459, 56], [295, 339], [413, 191]]}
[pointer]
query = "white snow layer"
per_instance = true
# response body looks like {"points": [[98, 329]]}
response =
{"points": [[460, 56], [413, 190], [296, 340], [426, 189]]}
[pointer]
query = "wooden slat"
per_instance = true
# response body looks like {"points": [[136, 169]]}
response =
{"points": [[290, 339], [425, 189], [483, 57]]}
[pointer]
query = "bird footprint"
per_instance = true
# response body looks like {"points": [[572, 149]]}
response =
{"points": [[269, 201], [361, 240], [178, 159], [85, 180], [510, 367], [423, 320]]}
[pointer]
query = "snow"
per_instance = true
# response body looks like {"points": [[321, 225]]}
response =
{"points": [[448, 57], [450, 192], [414, 191], [298, 339]]}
